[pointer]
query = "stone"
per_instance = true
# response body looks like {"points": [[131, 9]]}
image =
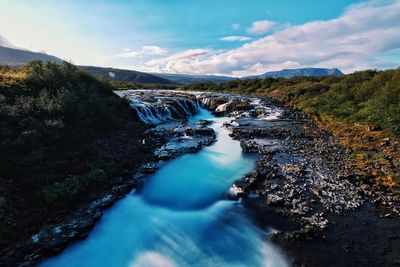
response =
{"points": [[3, 202]]}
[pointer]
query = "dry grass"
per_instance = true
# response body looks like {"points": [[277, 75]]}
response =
{"points": [[10, 77], [375, 155]]}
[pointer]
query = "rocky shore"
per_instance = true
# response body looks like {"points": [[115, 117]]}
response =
{"points": [[305, 180]]}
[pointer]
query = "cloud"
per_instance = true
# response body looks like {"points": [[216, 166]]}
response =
{"points": [[148, 50], [261, 26], [181, 62], [354, 41], [236, 38], [235, 26]]}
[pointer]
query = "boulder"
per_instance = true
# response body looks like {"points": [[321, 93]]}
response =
{"points": [[3, 202]]}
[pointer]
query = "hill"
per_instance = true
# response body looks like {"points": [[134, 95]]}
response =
{"points": [[63, 135], [17, 57], [130, 76], [10, 55]]}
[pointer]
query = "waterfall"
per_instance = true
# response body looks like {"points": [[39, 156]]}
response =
{"points": [[158, 107]]}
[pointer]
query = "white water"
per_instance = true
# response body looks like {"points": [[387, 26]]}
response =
{"points": [[180, 218], [151, 106]]}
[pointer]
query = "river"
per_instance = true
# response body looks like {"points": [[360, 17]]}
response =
{"points": [[180, 217]]}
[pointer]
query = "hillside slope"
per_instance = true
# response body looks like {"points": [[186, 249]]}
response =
{"points": [[122, 75], [18, 57], [12, 56], [63, 135]]}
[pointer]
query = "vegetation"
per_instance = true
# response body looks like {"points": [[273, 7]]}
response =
{"points": [[63, 134], [362, 109], [131, 85]]}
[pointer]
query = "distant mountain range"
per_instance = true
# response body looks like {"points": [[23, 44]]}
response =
{"points": [[188, 78], [285, 73], [10, 55], [289, 73]]}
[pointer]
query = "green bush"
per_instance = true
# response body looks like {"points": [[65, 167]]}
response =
{"points": [[72, 187]]}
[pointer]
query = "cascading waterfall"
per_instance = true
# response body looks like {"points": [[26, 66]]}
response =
{"points": [[255, 106], [155, 110]]}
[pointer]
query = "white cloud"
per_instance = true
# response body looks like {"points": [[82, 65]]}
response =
{"points": [[353, 41], [236, 38], [261, 26], [181, 62], [147, 50], [235, 26]]}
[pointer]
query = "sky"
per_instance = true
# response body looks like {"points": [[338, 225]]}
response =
{"points": [[225, 37]]}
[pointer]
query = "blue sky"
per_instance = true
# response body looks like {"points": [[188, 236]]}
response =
{"points": [[232, 37]]}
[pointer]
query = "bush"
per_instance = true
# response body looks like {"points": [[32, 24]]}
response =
{"points": [[69, 190]]}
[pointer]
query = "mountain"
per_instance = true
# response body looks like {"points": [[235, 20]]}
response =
{"points": [[126, 75], [13, 56], [288, 73], [4, 42], [285, 73], [187, 78], [10, 55]]}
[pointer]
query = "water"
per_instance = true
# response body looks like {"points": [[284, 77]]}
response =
{"points": [[179, 218]]}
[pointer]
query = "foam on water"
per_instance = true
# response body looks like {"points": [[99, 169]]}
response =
{"points": [[179, 218]]}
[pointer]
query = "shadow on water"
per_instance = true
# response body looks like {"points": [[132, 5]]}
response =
{"points": [[179, 217]]}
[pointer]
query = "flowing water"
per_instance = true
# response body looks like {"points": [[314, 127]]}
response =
{"points": [[180, 217]]}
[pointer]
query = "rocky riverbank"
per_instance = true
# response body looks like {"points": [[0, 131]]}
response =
{"points": [[305, 179], [169, 139]]}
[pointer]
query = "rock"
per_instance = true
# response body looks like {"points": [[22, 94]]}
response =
{"points": [[97, 215], [203, 123], [204, 132], [150, 167], [3, 202], [235, 192], [273, 199]]}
